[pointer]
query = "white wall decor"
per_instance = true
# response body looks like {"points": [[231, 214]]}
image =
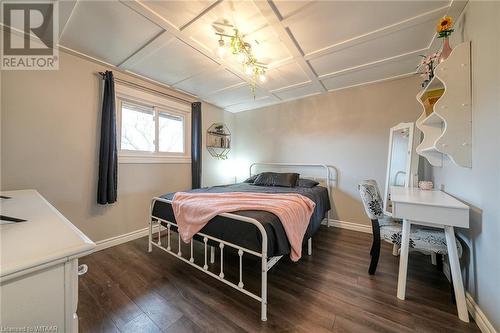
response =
{"points": [[448, 128]]}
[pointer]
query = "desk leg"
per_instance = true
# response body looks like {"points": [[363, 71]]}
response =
{"points": [[456, 274], [403, 258]]}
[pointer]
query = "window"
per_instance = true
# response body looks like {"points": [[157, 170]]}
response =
{"points": [[152, 128], [171, 138]]}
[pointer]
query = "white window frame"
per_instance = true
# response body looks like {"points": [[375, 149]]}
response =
{"points": [[159, 104]]}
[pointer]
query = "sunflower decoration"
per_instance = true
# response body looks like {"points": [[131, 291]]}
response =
{"points": [[444, 27]]}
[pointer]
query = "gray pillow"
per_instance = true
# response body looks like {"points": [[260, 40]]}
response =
{"points": [[251, 179], [308, 183], [277, 179]]}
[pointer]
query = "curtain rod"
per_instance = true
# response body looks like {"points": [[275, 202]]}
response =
{"points": [[147, 89]]}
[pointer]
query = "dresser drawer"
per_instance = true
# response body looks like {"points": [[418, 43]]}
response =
{"points": [[36, 299]]}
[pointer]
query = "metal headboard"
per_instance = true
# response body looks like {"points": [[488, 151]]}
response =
{"points": [[331, 172]]}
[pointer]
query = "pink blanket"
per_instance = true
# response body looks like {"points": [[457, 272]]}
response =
{"points": [[193, 211]]}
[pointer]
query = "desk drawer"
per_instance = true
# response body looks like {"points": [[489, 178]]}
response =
{"points": [[432, 214]]}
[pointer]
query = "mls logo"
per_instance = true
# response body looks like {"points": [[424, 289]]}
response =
{"points": [[29, 36]]}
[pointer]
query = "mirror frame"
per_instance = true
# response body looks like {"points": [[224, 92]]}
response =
{"points": [[411, 165]]}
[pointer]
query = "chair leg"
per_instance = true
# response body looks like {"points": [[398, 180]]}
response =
{"points": [[375, 250], [374, 261], [439, 262], [395, 250], [452, 295]]}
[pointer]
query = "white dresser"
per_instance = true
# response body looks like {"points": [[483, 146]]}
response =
{"points": [[38, 265]]}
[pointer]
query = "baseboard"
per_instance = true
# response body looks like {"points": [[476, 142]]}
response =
{"points": [[475, 311], [350, 226], [479, 317], [120, 239]]}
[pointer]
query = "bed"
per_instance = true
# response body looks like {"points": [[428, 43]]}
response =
{"points": [[256, 233]]}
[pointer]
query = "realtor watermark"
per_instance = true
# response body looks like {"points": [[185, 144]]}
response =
{"points": [[36, 328], [29, 36]]}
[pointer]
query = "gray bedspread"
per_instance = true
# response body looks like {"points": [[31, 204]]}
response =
{"points": [[245, 234]]}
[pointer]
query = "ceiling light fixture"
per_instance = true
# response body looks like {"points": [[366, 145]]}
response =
{"points": [[242, 51], [221, 50]]}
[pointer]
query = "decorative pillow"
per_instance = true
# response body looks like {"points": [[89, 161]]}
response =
{"points": [[277, 179], [308, 183], [251, 179]]}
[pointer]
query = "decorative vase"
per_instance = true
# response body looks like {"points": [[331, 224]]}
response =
{"points": [[446, 51]]}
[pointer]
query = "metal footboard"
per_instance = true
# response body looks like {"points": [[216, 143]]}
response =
{"points": [[155, 223]]}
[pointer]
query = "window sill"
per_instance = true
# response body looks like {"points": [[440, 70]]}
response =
{"points": [[127, 159]]}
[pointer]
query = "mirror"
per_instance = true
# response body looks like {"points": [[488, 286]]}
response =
{"points": [[401, 161]]}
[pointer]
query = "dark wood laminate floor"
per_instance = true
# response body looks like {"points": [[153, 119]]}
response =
{"points": [[130, 290]]}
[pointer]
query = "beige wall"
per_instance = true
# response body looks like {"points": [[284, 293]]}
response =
{"points": [[49, 141], [348, 129], [215, 171], [479, 186]]}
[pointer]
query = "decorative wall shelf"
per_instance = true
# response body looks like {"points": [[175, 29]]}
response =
{"points": [[447, 129], [218, 140]]}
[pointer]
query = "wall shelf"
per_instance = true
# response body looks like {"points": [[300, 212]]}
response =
{"points": [[447, 127], [218, 140], [433, 120]]}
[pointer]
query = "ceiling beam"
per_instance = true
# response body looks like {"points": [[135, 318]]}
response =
{"points": [[272, 15], [154, 17]]}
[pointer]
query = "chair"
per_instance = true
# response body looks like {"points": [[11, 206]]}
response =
{"points": [[425, 240]]}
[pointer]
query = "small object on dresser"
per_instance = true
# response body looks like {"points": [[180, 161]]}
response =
{"points": [[425, 185]]}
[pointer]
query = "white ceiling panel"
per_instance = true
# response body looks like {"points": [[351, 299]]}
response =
{"points": [[372, 73], [297, 92], [285, 76], [173, 62], [233, 96], [247, 18], [107, 30], [331, 22], [178, 13], [65, 10], [289, 8], [204, 84], [253, 104], [413, 38]]}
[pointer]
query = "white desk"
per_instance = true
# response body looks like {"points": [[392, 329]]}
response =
{"points": [[436, 209]]}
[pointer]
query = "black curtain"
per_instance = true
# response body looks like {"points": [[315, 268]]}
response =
{"points": [[108, 161], [196, 145]]}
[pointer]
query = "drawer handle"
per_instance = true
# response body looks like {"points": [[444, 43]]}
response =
{"points": [[82, 269]]}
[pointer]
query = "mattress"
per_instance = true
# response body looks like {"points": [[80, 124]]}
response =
{"points": [[245, 234]]}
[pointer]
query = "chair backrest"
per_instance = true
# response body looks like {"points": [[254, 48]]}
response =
{"points": [[372, 201]]}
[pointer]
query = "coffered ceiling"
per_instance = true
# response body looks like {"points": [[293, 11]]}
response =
{"points": [[310, 47]]}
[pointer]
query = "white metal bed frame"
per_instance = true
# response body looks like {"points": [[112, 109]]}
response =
{"points": [[266, 263]]}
